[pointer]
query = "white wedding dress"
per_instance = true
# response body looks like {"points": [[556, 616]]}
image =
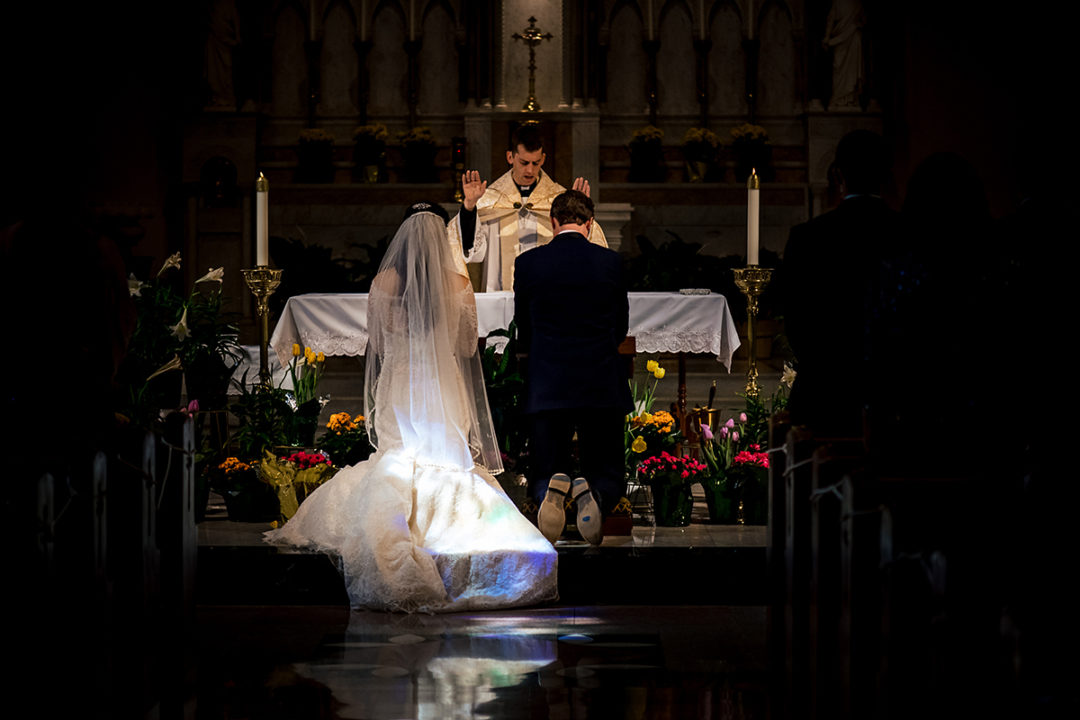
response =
{"points": [[423, 525]]}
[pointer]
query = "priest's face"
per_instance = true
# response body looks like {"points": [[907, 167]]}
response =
{"points": [[525, 165]]}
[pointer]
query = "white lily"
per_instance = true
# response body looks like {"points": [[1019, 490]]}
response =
{"points": [[213, 275], [173, 261], [135, 285], [180, 329], [788, 378], [173, 364]]}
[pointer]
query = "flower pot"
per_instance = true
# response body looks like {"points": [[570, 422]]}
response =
{"points": [[751, 490], [257, 503], [647, 163], [722, 502], [316, 163], [672, 504], [304, 423]]}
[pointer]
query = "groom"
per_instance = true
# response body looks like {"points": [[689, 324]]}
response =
{"points": [[572, 312]]}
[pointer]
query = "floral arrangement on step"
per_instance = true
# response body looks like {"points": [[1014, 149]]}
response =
{"points": [[700, 144], [345, 439], [316, 135], [293, 477], [177, 334], [648, 433], [370, 145], [749, 133]]}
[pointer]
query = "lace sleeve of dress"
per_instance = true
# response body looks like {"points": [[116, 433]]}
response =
{"points": [[468, 328]]}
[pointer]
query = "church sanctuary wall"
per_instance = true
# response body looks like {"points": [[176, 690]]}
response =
{"points": [[609, 68]]}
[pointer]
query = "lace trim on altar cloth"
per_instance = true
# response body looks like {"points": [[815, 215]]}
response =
{"points": [[673, 341], [352, 346]]}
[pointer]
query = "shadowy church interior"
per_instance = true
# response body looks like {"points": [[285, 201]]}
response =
{"points": [[197, 198]]}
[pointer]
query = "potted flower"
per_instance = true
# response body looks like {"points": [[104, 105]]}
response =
{"points": [[179, 338], [345, 440], [699, 150], [369, 152], [264, 418], [418, 151], [305, 371], [316, 151], [752, 149], [647, 155], [669, 478], [648, 433], [293, 477], [247, 497], [717, 447]]}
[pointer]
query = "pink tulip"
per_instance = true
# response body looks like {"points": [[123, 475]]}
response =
{"points": [[724, 431], [742, 417], [706, 432], [730, 423], [735, 436]]}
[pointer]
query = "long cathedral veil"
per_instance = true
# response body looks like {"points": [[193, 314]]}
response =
{"points": [[424, 383]]}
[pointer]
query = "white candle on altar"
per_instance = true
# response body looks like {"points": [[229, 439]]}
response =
{"points": [[262, 221], [753, 217]]}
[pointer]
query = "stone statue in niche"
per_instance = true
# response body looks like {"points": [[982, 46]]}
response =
{"points": [[843, 35], [223, 36]]}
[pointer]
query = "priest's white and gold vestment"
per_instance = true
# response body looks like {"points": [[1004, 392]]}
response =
{"points": [[507, 225]]}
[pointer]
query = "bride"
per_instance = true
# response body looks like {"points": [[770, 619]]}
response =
{"points": [[422, 525]]}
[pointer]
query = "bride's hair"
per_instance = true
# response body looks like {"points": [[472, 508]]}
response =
{"points": [[425, 206]]}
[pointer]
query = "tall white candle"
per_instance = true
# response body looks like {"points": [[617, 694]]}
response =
{"points": [[753, 217], [262, 221]]}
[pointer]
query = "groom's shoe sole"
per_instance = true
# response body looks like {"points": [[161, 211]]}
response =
{"points": [[589, 522], [551, 517]]}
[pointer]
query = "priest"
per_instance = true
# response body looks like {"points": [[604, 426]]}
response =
{"points": [[497, 223]]}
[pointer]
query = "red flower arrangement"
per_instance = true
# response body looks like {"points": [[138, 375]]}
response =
{"points": [[673, 467], [304, 460], [753, 456]]}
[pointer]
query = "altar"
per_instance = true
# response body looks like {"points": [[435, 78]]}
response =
{"points": [[660, 322]]}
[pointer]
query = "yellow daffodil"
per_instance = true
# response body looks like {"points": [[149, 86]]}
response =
{"points": [[321, 357], [652, 365], [638, 445], [658, 373], [296, 349]]}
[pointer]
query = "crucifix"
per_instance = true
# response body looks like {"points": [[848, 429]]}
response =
{"points": [[532, 36]]}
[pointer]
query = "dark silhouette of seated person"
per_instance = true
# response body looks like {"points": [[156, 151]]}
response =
{"points": [[957, 304], [836, 289]]}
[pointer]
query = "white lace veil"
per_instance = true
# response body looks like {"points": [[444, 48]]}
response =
{"points": [[424, 385]]}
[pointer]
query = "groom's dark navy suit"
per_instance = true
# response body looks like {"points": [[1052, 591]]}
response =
{"points": [[572, 312]]}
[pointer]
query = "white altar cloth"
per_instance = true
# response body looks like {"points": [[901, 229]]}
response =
{"points": [[336, 323]]}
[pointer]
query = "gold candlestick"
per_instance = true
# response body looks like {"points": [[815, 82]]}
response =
{"points": [[532, 36], [752, 281], [262, 281]]}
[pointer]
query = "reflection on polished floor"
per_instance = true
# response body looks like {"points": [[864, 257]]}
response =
{"points": [[550, 662]]}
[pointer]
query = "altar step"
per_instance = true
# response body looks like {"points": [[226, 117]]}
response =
{"points": [[662, 566]]}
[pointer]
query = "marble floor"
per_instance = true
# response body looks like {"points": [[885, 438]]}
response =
{"points": [[550, 662]]}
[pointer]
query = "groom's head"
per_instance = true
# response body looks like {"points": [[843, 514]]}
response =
{"points": [[572, 210]]}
